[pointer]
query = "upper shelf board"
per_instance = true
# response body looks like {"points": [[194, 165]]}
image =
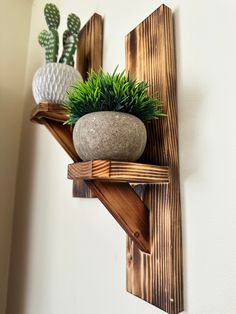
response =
{"points": [[48, 111]]}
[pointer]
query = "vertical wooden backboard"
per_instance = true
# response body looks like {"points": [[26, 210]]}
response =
{"points": [[157, 277], [90, 46]]}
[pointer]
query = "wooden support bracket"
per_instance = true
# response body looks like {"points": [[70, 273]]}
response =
{"points": [[127, 208], [109, 180]]}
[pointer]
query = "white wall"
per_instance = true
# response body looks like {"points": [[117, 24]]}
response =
{"points": [[68, 255], [14, 33]]}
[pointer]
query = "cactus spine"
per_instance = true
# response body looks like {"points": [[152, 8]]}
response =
{"points": [[50, 39], [70, 39]]}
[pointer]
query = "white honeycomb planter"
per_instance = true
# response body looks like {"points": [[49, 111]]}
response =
{"points": [[51, 82]]}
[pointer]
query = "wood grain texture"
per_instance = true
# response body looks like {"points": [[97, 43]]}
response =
{"points": [[118, 171], [127, 208], [89, 56], [158, 277], [90, 46]]}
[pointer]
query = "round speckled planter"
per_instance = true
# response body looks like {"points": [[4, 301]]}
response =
{"points": [[51, 81], [109, 135]]}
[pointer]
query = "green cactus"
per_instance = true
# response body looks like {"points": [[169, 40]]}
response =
{"points": [[70, 39], [50, 39]]}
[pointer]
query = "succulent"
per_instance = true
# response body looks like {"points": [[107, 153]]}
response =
{"points": [[111, 92], [70, 39], [49, 39]]}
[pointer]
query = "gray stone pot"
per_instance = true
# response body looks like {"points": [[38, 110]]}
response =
{"points": [[51, 82], [109, 135]]}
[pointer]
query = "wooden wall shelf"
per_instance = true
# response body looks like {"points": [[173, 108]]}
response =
{"points": [[143, 197]]}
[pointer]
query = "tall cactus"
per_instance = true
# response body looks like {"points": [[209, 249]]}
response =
{"points": [[50, 39], [70, 39]]}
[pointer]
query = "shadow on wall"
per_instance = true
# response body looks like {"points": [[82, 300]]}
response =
{"points": [[10, 123], [19, 262], [190, 100]]}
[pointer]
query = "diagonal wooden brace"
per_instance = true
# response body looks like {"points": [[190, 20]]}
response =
{"points": [[127, 208]]}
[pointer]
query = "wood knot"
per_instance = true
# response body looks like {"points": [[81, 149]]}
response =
{"points": [[136, 234]]}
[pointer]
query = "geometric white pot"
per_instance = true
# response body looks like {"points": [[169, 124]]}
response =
{"points": [[52, 80]]}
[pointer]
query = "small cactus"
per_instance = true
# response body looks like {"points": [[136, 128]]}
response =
{"points": [[70, 39], [49, 40]]}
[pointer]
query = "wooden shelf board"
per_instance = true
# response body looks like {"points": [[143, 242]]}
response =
{"points": [[49, 111], [118, 171]]}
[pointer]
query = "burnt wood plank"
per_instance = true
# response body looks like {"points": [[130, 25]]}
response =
{"points": [[127, 208], [158, 277]]}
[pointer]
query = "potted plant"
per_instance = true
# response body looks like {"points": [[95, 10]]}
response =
{"points": [[51, 80], [109, 111]]}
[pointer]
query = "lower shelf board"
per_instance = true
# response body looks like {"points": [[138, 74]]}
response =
{"points": [[118, 171]]}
